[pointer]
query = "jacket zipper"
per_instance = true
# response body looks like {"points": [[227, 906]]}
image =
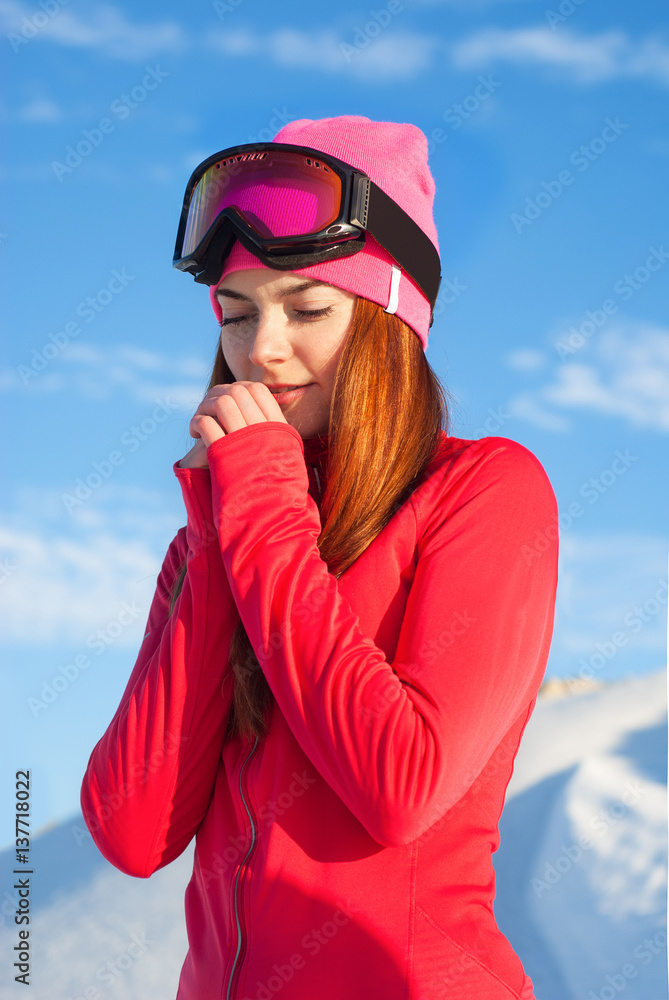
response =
{"points": [[241, 936], [318, 480]]}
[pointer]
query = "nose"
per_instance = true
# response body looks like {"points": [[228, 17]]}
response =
{"points": [[271, 342]]}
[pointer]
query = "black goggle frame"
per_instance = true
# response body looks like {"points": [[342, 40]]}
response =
{"points": [[364, 208]]}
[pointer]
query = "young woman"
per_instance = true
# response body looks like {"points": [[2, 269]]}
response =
{"points": [[348, 636]]}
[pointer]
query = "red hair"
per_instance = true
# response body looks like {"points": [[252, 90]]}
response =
{"points": [[387, 413]]}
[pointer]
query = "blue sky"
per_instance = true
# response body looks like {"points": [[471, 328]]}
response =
{"points": [[549, 148]]}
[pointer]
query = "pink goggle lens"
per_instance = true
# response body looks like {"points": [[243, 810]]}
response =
{"points": [[280, 193]]}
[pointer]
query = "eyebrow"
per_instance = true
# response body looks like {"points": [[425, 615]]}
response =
{"points": [[302, 286]]}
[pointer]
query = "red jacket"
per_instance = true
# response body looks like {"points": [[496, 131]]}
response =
{"points": [[348, 855]]}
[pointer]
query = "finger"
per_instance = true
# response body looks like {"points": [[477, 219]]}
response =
{"points": [[259, 392], [219, 390], [238, 395], [205, 427], [196, 458], [220, 407], [266, 401]]}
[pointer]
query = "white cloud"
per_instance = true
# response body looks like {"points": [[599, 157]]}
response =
{"points": [[526, 360], [527, 407], [161, 173], [627, 378], [467, 4], [27, 173], [587, 59], [390, 57], [66, 570], [63, 587], [40, 110], [399, 57], [610, 584], [404, 55], [99, 374], [105, 29]]}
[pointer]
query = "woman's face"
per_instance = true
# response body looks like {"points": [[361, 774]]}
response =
{"points": [[284, 329]]}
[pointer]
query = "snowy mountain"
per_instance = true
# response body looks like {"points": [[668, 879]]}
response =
{"points": [[581, 871]]}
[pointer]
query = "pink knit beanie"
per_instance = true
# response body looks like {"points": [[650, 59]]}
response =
{"points": [[394, 156]]}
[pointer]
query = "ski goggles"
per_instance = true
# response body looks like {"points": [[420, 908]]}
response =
{"points": [[293, 206]]}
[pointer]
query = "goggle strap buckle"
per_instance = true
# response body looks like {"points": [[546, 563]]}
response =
{"points": [[360, 201]]}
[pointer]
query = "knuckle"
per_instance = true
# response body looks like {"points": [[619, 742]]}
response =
{"points": [[223, 402]]}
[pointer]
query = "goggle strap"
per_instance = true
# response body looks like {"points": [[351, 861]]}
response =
{"points": [[371, 209], [404, 240]]}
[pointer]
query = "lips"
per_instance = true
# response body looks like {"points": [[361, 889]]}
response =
{"points": [[285, 388], [287, 395]]}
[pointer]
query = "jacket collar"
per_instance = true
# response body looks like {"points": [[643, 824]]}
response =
{"points": [[315, 458], [315, 449]]}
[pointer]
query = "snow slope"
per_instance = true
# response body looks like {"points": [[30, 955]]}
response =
{"points": [[97, 934], [586, 916], [581, 869]]}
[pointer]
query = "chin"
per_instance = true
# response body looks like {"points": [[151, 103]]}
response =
{"points": [[306, 428]]}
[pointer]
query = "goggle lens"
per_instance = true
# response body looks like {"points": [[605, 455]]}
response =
{"points": [[281, 193]]}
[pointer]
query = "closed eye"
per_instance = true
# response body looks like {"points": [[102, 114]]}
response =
{"points": [[310, 313], [325, 311]]}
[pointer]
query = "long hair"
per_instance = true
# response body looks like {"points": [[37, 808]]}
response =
{"points": [[387, 413]]}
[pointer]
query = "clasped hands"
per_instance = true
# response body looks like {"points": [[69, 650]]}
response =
{"points": [[225, 409]]}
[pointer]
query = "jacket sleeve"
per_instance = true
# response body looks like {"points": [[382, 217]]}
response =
{"points": [[150, 778], [399, 742]]}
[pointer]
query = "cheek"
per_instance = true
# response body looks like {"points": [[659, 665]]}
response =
{"points": [[330, 352], [331, 342], [232, 348]]}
